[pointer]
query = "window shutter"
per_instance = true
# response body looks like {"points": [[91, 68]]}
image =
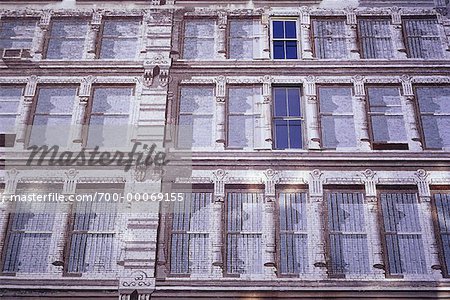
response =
{"points": [[330, 39], [442, 202], [67, 39], [376, 41], [423, 38]]}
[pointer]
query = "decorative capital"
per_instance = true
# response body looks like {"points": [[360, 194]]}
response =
{"points": [[96, 17], [369, 174], [351, 16], [71, 174], [44, 22], [421, 174]]}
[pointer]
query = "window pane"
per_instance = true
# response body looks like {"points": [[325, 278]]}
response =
{"points": [[330, 38], [9, 107], [278, 29], [294, 102], [291, 49], [291, 31], [442, 202], [278, 50], [434, 99], [244, 233], [281, 134], [338, 132], [375, 38], [120, 39], [280, 95], [56, 100], [335, 100], [199, 39], [197, 100], [17, 34], [67, 39], [423, 38], [295, 134], [403, 233], [245, 39], [112, 100]]}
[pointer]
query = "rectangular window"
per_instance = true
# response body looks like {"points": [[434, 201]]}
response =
{"points": [[66, 39], [244, 233], [293, 233], [434, 109], [285, 39], [30, 230], [287, 118], [245, 39], [120, 39], [337, 118], [402, 233], [442, 206], [423, 38], [17, 33], [386, 118], [52, 116], [196, 123], [199, 42], [243, 119], [347, 240], [9, 111], [190, 243], [109, 116], [330, 39], [375, 38], [93, 233]]}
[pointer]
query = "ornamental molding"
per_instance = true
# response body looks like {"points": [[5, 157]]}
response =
{"points": [[397, 181], [96, 179], [16, 80], [293, 180], [245, 180], [193, 180], [243, 80], [385, 79], [41, 179], [431, 79], [438, 181], [343, 180], [138, 279], [199, 80]]}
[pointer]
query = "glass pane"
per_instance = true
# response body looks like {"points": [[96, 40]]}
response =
{"points": [[7, 124], [195, 48], [10, 93], [107, 131], [17, 33], [278, 50], [200, 28], [112, 100], [198, 100], [381, 96], [202, 134], [437, 131], [295, 134], [278, 29], [291, 30], [335, 100], [280, 102], [241, 48], [294, 102], [9, 107], [68, 49], [56, 100], [121, 28], [338, 132], [241, 99], [240, 131], [291, 50], [69, 28], [281, 134], [119, 48], [50, 130], [434, 99], [389, 129]]}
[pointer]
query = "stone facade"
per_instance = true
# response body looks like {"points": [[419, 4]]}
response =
{"points": [[144, 252]]}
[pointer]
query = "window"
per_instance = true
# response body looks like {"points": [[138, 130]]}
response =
{"points": [[196, 123], [199, 40], [442, 206], [30, 230], [375, 37], [66, 39], [434, 108], [17, 33], [109, 116], [92, 236], [285, 39], [336, 117], [423, 38], [243, 119], [120, 39], [287, 118], [386, 118], [244, 232], [245, 39], [347, 240], [330, 39], [402, 233], [190, 244], [9, 110], [293, 239], [52, 116]]}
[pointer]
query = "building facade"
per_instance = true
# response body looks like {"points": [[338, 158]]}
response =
{"points": [[315, 137]]}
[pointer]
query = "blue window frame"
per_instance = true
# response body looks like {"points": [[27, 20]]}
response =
{"points": [[284, 37], [287, 118]]}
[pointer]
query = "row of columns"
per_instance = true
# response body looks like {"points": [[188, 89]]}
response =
{"points": [[317, 224]]}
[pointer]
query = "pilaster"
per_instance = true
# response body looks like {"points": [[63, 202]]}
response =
{"points": [[219, 177], [305, 33], [269, 255], [352, 33], [25, 110], [397, 33], [361, 118], [220, 111], [311, 116], [409, 99]]}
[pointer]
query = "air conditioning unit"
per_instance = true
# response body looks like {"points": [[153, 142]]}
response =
{"points": [[16, 54]]}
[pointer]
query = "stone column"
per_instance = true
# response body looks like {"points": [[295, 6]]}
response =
{"points": [[269, 255], [266, 114], [316, 227], [397, 35], [265, 20], [312, 117], [219, 178], [360, 113], [352, 34], [220, 112], [25, 110], [43, 27], [428, 234], [93, 32], [305, 34], [83, 96], [222, 35], [409, 109], [373, 224]]}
